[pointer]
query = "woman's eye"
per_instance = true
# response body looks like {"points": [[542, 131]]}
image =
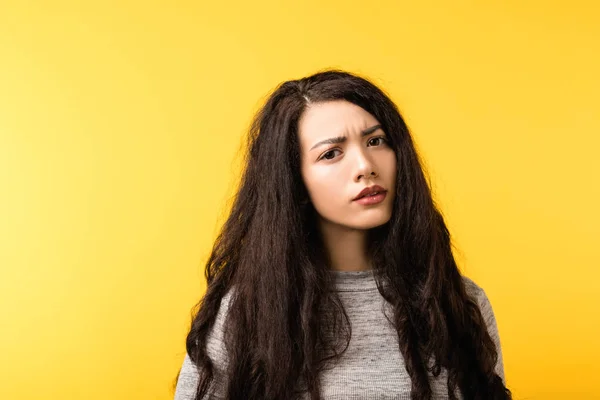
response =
{"points": [[377, 138], [376, 141], [329, 155]]}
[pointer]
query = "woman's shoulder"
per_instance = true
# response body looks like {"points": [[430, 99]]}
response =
{"points": [[478, 294], [472, 288], [215, 347]]}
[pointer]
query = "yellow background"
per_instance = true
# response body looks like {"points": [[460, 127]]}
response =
{"points": [[120, 124]]}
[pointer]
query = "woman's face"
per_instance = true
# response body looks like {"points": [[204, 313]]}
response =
{"points": [[343, 151]]}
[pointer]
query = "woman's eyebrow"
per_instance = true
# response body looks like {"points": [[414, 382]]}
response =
{"points": [[342, 139]]}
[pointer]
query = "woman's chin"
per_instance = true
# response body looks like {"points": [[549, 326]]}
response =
{"points": [[369, 222]]}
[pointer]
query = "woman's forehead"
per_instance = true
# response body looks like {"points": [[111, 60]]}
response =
{"points": [[330, 119]]}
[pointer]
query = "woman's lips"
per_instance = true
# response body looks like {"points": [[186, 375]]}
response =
{"points": [[374, 199], [369, 190]]}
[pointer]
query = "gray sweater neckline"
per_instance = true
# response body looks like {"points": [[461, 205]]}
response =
{"points": [[354, 281]]}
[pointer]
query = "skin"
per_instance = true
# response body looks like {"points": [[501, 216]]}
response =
{"points": [[335, 173]]}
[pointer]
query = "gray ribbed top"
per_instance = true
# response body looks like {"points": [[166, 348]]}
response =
{"points": [[371, 368]]}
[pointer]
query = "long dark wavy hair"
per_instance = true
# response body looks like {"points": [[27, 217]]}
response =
{"points": [[271, 252]]}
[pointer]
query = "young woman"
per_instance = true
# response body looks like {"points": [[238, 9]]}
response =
{"points": [[333, 277]]}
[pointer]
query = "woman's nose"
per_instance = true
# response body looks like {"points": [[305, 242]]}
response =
{"points": [[364, 167]]}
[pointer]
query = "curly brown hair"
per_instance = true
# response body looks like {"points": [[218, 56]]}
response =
{"points": [[270, 250]]}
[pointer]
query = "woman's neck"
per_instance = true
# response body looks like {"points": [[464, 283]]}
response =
{"points": [[345, 247]]}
